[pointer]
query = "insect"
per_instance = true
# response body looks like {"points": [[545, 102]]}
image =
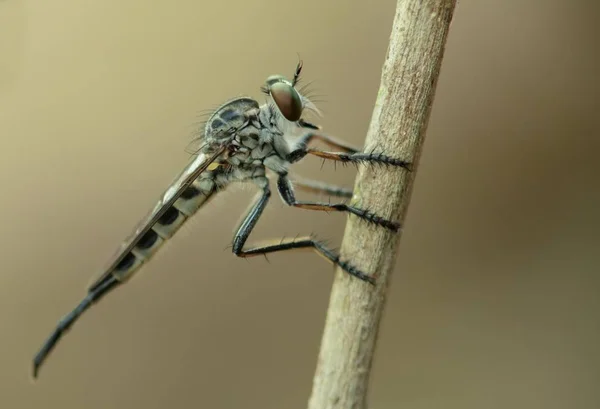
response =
{"points": [[242, 141]]}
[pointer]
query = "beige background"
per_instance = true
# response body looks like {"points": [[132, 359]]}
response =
{"points": [[495, 301]]}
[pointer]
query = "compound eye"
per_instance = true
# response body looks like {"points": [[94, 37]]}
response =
{"points": [[274, 79], [287, 99]]}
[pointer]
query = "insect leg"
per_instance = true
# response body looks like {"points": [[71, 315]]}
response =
{"points": [[305, 243], [286, 191], [245, 229], [330, 141], [361, 157], [349, 154], [315, 186], [109, 283]]}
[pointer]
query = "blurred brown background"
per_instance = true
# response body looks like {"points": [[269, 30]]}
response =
{"points": [[495, 300]]}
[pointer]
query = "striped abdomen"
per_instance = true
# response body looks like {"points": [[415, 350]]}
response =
{"points": [[196, 195]]}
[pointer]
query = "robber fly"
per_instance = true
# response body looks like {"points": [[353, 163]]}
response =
{"points": [[242, 140]]}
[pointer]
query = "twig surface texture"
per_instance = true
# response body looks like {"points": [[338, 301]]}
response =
{"points": [[398, 127]]}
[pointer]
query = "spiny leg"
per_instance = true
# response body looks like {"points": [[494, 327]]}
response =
{"points": [[349, 154], [256, 210], [286, 191], [315, 186], [361, 157], [306, 243], [109, 283], [249, 222], [328, 140]]}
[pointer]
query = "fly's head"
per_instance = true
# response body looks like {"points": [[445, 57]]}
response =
{"points": [[288, 100]]}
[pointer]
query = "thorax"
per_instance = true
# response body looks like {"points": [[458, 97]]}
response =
{"points": [[257, 136]]}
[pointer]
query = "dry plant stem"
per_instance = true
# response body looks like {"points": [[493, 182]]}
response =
{"points": [[397, 128]]}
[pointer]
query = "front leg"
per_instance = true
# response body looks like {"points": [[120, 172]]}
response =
{"points": [[315, 134], [348, 154]]}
